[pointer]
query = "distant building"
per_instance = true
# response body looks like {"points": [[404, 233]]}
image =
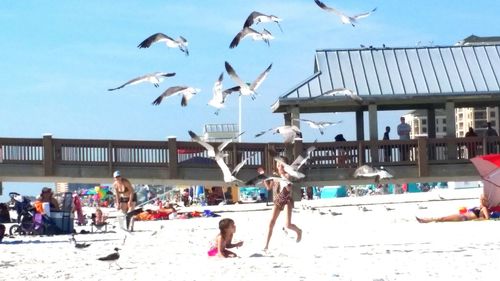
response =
{"points": [[220, 132], [417, 119], [70, 187]]}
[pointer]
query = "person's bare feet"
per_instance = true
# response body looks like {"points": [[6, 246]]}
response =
{"points": [[299, 235], [421, 220]]}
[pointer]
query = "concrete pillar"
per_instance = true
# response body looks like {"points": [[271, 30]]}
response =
{"points": [[449, 112], [172, 158], [48, 155], [373, 123], [431, 123], [1, 188], [360, 126]]}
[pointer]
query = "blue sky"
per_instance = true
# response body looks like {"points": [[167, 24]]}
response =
{"points": [[60, 57]]}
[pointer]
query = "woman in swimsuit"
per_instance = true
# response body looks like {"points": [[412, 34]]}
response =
{"points": [[282, 197], [476, 213], [124, 193]]}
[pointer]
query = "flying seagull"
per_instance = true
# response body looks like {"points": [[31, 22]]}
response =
{"points": [[320, 125], [345, 19], [78, 245], [186, 92], [217, 100], [211, 151], [289, 133], [112, 258], [293, 169], [245, 89], [367, 171], [265, 36], [230, 176], [180, 43], [256, 17], [342, 92], [154, 78]]}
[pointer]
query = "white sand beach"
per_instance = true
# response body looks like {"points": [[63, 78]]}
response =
{"points": [[357, 245]]}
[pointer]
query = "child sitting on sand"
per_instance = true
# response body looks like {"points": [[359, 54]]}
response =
{"points": [[224, 239]]}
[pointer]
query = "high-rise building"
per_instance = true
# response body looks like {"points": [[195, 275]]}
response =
{"points": [[417, 119]]}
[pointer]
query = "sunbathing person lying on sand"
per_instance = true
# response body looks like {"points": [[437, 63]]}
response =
{"points": [[224, 239], [476, 213]]}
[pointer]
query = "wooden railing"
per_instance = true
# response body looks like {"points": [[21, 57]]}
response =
{"points": [[173, 154]]}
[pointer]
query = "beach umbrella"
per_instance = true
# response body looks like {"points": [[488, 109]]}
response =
{"points": [[488, 167]]}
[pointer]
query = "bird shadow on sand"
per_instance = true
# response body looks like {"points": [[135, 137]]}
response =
{"points": [[260, 255]]}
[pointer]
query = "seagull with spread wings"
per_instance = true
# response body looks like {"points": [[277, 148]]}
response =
{"points": [[345, 19], [230, 176], [180, 43], [343, 92], [293, 169], [265, 36], [244, 88], [154, 78], [289, 133], [211, 151], [257, 17], [219, 96], [320, 125], [368, 171], [186, 92]]}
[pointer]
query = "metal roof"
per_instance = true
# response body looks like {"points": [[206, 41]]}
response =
{"points": [[435, 70]]}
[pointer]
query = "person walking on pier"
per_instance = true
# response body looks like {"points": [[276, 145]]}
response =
{"points": [[404, 134], [387, 148]]}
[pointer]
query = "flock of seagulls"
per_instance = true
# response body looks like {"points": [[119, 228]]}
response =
{"points": [[219, 94]]}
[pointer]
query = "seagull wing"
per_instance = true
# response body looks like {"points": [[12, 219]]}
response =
{"points": [[169, 92], [328, 9], [225, 169], [242, 163], [217, 90], [234, 76], [301, 160], [187, 94], [365, 171], [263, 132], [229, 91], [240, 36], [363, 15], [153, 39], [251, 18], [132, 82], [207, 146], [261, 78]]}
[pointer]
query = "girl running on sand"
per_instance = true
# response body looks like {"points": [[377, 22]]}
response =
{"points": [[282, 197], [224, 240]]}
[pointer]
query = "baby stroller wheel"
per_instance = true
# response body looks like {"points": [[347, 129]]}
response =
{"points": [[16, 230]]}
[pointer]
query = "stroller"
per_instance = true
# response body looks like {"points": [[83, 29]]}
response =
{"points": [[29, 222]]}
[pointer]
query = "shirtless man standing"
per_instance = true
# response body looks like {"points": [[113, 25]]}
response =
{"points": [[124, 193]]}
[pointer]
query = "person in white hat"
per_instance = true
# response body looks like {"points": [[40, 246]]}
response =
{"points": [[124, 193]]}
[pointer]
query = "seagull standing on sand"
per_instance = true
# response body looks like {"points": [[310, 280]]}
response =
{"points": [[245, 89], [112, 258], [265, 36], [186, 92], [367, 171], [289, 133], [345, 19], [256, 17], [180, 43], [154, 78], [78, 245], [320, 125]]}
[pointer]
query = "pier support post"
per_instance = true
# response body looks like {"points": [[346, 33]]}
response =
{"points": [[422, 159], [48, 155], [360, 126], [450, 129], [172, 158], [431, 123], [372, 116]]}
